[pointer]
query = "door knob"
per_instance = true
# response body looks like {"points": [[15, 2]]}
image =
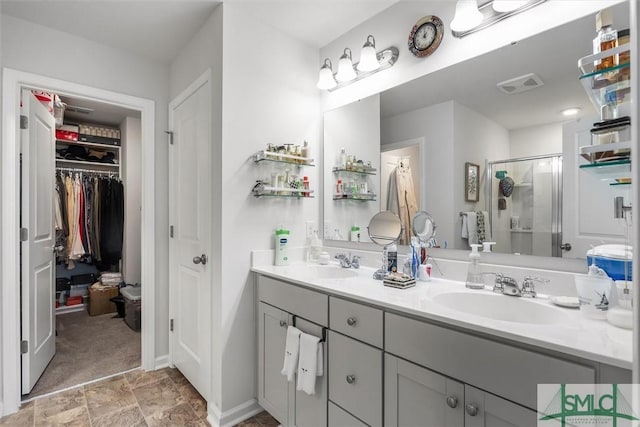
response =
{"points": [[452, 401], [351, 379], [200, 259], [471, 408], [565, 247], [57, 248], [351, 321]]}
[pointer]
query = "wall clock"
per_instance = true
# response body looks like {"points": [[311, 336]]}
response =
{"points": [[425, 36]]}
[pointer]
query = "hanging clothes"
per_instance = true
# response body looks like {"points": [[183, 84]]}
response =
{"points": [[90, 213], [407, 203]]}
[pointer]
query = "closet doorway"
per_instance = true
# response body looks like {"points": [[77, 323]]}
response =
{"points": [[14, 83]]}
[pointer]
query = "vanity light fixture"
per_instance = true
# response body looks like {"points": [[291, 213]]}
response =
{"points": [[345, 73], [326, 81], [368, 57], [370, 63], [475, 15]]}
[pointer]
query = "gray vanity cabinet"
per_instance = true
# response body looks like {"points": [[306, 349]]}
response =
{"points": [[273, 388], [280, 305], [484, 409], [415, 396]]}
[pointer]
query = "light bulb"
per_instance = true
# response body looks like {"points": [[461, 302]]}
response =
{"points": [[345, 72], [325, 77], [467, 15], [508, 5], [368, 56]]}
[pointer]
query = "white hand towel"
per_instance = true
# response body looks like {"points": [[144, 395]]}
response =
{"points": [[464, 233], [320, 360], [291, 351], [472, 227], [308, 364]]}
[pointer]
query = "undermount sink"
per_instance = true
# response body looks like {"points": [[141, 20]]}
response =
{"points": [[329, 272], [501, 307]]}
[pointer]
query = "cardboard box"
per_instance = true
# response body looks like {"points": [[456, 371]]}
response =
{"points": [[99, 301]]}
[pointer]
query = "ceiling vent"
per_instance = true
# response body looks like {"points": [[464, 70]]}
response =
{"points": [[520, 84]]}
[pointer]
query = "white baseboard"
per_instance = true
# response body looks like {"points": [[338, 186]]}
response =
{"points": [[162, 362], [233, 416]]}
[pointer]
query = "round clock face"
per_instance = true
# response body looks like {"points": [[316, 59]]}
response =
{"points": [[425, 36]]}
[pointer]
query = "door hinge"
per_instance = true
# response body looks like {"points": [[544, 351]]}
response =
{"points": [[168, 132], [24, 347], [24, 122], [24, 234], [171, 231], [171, 325]]}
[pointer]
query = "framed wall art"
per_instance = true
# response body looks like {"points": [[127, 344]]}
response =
{"points": [[471, 182]]}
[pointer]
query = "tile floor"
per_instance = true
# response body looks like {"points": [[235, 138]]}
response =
{"points": [[137, 398]]}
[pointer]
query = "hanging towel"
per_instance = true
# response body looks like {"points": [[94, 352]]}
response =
{"points": [[291, 350], [308, 363], [481, 227], [472, 227], [487, 226], [464, 233]]}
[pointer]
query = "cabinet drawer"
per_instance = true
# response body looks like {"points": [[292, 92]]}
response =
{"points": [[356, 320], [494, 366], [355, 378], [340, 417], [299, 301]]}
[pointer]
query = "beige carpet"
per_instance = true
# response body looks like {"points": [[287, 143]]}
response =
{"points": [[88, 348]]}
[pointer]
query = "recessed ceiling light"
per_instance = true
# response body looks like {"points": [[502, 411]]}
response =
{"points": [[571, 111]]}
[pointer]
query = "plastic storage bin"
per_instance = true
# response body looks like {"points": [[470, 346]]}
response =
{"points": [[132, 306]]}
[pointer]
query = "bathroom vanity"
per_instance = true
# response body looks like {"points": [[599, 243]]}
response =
{"points": [[436, 354]]}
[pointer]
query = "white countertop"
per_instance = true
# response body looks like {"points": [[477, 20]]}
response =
{"points": [[575, 335]]}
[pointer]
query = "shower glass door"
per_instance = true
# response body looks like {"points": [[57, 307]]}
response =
{"points": [[525, 211]]}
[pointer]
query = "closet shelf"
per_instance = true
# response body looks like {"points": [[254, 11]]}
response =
{"points": [[364, 171], [89, 144], [271, 156], [97, 165]]}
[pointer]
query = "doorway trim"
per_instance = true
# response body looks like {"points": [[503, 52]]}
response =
{"points": [[12, 83]]}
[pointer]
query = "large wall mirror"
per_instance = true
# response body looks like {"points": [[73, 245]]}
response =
{"points": [[422, 135]]}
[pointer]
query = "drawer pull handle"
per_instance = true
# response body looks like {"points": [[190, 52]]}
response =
{"points": [[351, 321], [283, 323], [472, 409], [351, 379], [452, 401]]}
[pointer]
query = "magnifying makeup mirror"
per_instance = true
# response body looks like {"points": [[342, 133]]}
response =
{"points": [[384, 229], [424, 228]]}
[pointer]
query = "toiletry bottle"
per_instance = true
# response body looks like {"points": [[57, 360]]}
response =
{"points": [[474, 278], [305, 186], [281, 245], [339, 188], [606, 38], [354, 235], [427, 269], [392, 257], [343, 159], [486, 246]]}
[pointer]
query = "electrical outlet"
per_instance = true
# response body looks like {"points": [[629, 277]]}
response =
{"points": [[310, 227]]}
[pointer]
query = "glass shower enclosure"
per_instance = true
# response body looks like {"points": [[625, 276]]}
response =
{"points": [[525, 212]]}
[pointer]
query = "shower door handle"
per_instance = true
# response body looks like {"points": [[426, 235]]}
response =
{"points": [[565, 247]]}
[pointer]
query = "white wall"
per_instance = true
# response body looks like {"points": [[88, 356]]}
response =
{"points": [[392, 26], [535, 140], [37, 49], [131, 175], [356, 128], [268, 96]]}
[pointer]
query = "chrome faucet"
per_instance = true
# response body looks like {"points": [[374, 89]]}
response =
{"points": [[347, 261], [509, 286]]}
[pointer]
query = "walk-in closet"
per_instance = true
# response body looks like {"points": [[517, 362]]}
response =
{"points": [[96, 214]]}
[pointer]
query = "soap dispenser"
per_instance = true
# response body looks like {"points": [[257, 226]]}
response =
{"points": [[474, 277]]}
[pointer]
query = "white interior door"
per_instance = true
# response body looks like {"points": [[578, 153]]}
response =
{"points": [[37, 257], [190, 196]]}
